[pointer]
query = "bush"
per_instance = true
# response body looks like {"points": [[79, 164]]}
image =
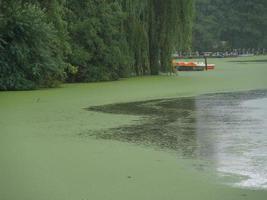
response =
{"points": [[99, 47], [29, 54]]}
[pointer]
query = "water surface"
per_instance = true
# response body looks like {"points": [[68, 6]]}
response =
{"points": [[228, 132]]}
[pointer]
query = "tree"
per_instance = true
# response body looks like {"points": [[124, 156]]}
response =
{"points": [[29, 56], [42, 42], [155, 28], [98, 44], [240, 24]]}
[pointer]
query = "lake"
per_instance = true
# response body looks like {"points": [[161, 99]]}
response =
{"points": [[226, 133], [191, 136]]}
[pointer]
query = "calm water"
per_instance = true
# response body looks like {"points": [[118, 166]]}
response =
{"points": [[234, 134], [228, 132]]}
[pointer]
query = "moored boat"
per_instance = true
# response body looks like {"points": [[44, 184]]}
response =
{"points": [[192, 66]]}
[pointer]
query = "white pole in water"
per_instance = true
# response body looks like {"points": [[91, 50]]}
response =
{"points": [[206, 61]]}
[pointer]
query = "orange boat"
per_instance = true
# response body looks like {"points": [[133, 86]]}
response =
{"points": [[192, 66]]}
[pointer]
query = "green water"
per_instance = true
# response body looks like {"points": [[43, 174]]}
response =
{"points": [[43, 154]]}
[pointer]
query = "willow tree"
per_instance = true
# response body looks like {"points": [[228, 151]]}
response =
{"points": [[155, 28], [42, 42], [175, 28], [136, 31]]}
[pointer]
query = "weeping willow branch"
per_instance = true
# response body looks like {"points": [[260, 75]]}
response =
{"points": [[155, 29]]}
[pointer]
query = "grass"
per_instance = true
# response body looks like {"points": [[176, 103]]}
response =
{"points": [[42, 155]]}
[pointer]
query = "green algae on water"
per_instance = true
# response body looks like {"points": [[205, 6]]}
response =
{"points": [[43, 156]]}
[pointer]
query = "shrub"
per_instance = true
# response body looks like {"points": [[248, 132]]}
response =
{"points": [[29, 55]]}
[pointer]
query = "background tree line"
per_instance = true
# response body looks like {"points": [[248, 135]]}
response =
{"points": [[44, 43], [230, 24]]}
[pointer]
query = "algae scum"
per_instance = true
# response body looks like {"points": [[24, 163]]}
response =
{"points": [[226, 130]]}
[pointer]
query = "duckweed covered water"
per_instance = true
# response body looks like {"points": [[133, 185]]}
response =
{"points": [[45, 151]]}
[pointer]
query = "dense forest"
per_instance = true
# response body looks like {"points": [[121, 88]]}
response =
{"points": [[230, 24], [44, 43]]}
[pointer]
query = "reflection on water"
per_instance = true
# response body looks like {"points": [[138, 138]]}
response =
{"points": [[227, 129], [234, 129]]}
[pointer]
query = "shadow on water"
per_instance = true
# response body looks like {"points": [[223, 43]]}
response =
{"points": [[175, 124]]}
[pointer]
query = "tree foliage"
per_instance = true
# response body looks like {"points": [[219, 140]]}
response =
{"points": [[154, 29], [43, 42], [29, 56], [98, 45], [237, 23]]}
